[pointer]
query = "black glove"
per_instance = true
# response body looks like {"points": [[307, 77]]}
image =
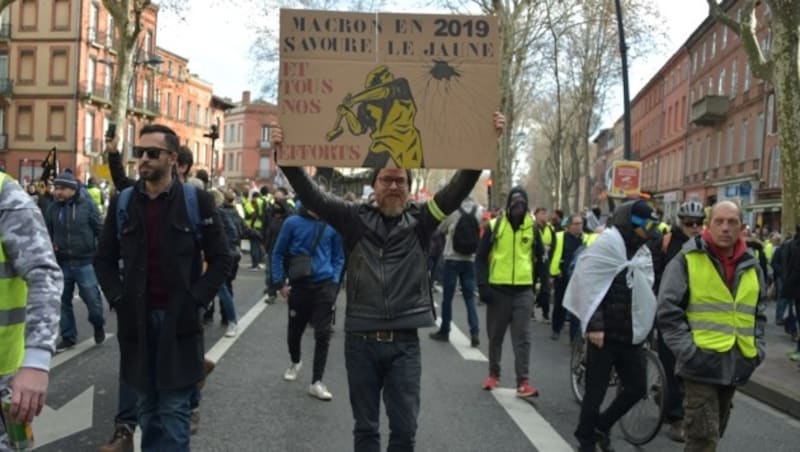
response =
{"points": [[485, 293]]}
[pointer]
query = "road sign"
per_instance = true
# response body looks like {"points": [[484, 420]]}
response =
{"points": [[625, 179]]}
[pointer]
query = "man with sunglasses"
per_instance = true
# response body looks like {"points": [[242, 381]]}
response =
{"points": [[160, 289], [691, 216], [388, 291]]}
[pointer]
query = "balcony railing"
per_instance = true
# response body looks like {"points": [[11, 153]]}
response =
{"points": [[6, 86], [710, 110], [3, 142], [5, 30], [97, 91], [149, 107]]}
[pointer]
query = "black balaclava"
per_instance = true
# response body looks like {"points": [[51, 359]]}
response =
{"points": [[597, 212], [621, 219], [517, 206]]}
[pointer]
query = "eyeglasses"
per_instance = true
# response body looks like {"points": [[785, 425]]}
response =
{"points": [[387, 181], [693, 223], [152, 152]]}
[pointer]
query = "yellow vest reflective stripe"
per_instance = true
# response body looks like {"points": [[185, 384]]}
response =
{"points": [[717, 319], [13, 299], [558, 253], [511, 261]]}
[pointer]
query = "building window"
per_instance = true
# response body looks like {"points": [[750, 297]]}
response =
{"points": [[734, 79], [694, 63], [703, 56], [25, 122], [713, 44], [265, 131], [93, 14], [721, 83], [169, 105], [196, 153], [759, 147], [131, 136], [91, 69], [179, 108], [146, 94], [710, 89], [239, 133], [724, 37], [775, 168], [60, 15], [110, 31], [188, 111], [59, 63], [107, 82], [88, 133], [26, 72], [743, 144], [198, 111], [56, 123], [746, 77], [729, 146], [148, 41], [29, 15], [132, 94], [772, 126], [718, 139]]}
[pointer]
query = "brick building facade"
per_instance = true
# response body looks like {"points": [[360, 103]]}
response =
{"points": [[247, 158]]}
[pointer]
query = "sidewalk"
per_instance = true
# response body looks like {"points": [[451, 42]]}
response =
{"points": [[776, 382]]}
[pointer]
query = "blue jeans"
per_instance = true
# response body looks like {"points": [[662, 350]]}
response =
{"points": [[394, 368], [164, 414], [226, 303], [126, 405], [465, 271], [84, 276]]}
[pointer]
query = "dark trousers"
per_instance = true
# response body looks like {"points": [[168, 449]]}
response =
{"points": [[708, 408], [543, 297], [675, 392], [510, 309], [163, 413], [256, 252], [393, 368], [312, 303], [629, 362], [560, 314]]}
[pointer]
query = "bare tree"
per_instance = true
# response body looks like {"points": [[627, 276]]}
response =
{"points": [[778, 66]]}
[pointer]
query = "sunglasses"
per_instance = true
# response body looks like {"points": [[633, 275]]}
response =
{"points": [[152, 152], [387, 181], [692, 224]]}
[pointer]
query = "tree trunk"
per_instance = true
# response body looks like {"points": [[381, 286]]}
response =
{"points": [[122, 82], [786, 81]]}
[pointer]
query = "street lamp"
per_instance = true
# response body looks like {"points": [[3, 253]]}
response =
{"points": [[626, 96], [213, 134]]}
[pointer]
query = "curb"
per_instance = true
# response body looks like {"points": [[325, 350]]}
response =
{"points": [[778, 398]]}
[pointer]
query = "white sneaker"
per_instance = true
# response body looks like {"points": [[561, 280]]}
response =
{"points": [[319, 391], [291, 372], [232, 330]]}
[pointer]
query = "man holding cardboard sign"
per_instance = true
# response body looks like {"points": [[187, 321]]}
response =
{"points": [[388, 292]]}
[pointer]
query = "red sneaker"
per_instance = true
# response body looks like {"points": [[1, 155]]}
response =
{"points": [[526, 390], [490, 383]]}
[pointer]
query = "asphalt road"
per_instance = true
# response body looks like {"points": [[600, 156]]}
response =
{"points": [[248, 407]]}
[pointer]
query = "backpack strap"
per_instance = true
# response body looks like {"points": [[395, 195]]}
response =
{"points": [[123, 200], [193, 210]]}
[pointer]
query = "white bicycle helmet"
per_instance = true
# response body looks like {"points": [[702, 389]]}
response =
{"points": [[691, 209]]}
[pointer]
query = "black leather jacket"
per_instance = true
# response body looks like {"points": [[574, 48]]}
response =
{"points": [[387, 281]]}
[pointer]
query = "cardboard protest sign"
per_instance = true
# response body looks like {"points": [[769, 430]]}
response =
{"points": [[398, 90], [625, 179]]}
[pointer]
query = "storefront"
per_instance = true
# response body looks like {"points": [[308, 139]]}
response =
{"points": [[767, 214]]}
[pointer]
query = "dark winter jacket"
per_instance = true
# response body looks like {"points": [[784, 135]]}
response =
{"points": [[613, 316], [387, 278], [791, 269], [674, 242], [238, 223], [74, 227], [180, 358]]}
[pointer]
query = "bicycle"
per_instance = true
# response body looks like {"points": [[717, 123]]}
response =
{"points": [[643, 421]]}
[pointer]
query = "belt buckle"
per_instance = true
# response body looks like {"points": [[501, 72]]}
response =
{"points": [[384, 336]]}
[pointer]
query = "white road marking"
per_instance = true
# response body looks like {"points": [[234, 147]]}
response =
{"points": [[73, 417], [462, 344], [538, 431]]}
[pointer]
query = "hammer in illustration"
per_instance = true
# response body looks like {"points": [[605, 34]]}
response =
{"points": [[337, 128]]}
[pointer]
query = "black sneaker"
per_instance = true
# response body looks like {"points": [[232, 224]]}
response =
{"points": [[474, 340], [64, 344], [440, 336], [99, 335]]}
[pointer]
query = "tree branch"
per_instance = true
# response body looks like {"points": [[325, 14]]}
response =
{"points": [[760, 66]]}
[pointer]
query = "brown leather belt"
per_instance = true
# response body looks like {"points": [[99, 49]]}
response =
{"points": [[388, 335]]}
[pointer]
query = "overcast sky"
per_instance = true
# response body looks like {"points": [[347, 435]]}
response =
{"points": [[217, 42]]}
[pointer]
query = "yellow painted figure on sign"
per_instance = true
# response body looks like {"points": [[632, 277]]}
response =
{"points": [[386, 108]]}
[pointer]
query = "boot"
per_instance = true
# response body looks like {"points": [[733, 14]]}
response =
{"points": [[122, 441]]}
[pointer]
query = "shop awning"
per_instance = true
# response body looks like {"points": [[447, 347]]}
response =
{"points": [[765, 206]]}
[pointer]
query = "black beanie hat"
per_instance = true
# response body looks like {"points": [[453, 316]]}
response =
{"points": [[66, 179]]}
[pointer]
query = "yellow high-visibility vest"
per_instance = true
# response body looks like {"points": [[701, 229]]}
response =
{"points": [[511, 260], [13, 300], [718, 319], [558, 252]]}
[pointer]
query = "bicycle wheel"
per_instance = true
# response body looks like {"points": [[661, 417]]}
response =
{"points": [[643, 421], [577, 369]]}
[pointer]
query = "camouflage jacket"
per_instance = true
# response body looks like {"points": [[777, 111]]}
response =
{"points": [[27, 245]]}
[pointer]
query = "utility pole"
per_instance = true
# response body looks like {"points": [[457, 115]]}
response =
{"points": [[213, 134], [623, 51]]}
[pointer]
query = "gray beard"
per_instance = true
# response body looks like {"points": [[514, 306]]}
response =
{"points": [[391, 211]]}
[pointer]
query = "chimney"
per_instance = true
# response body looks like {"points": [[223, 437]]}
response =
{"points": [[245, 97]]}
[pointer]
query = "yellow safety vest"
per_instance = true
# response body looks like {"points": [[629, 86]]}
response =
{"points": [[768, 249], [511, 261], [555, 260], [663, 227], [717, 319], [547, 235], [97, 197], [13, 300]]}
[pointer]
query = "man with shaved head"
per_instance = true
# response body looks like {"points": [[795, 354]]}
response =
{"points": [[712, 301]]}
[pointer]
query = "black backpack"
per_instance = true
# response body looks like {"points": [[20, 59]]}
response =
{"points": [[467, 233]]}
